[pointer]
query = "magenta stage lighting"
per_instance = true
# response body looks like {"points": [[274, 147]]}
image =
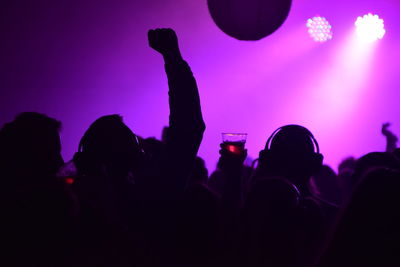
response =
{"points": [[370, 27], [319, 29]]}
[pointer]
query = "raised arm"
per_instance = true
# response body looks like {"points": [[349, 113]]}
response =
{"points": [[186, 125], [391, 138]]}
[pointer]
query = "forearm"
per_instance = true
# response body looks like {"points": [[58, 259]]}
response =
{"points": [[186, 125], [184, 100], [391, 144], [391, 138]]}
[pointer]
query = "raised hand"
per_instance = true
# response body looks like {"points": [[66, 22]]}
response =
{"points": [[385, 130], [232, 158], [165, 42], [391, 138]]}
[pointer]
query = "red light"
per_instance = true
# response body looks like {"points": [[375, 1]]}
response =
{"points": [[69, 180], [233, 149]]}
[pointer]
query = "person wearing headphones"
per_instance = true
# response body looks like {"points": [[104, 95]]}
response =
{"points": [[132, 198], [283, 223]]}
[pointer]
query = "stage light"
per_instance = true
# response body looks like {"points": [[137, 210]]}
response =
{"points": [[370, 28], [319, 29]]}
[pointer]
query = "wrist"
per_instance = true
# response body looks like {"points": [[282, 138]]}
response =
{"points": [[232, 168], [172, 56]]}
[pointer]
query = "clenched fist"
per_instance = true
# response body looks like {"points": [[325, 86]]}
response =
{"points": [[165, 42]]}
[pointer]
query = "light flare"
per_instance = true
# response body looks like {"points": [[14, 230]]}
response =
{"points": [[370, 28]]}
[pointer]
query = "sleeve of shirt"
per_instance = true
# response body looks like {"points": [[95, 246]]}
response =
{"points": [[186, 126]]}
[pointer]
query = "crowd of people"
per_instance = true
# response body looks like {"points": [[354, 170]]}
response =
{"points": [[124, 200]]}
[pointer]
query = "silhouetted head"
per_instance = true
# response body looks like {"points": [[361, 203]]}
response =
{"points": [[347, 165], [292, 152], [108, 143], [372, 161], [326, 171], [30, 146], [345, 175], [153, 147]]}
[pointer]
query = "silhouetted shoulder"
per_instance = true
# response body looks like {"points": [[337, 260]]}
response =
{"points": [[276, 191]]}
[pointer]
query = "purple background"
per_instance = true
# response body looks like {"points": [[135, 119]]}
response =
{"points": [[78, 60]]}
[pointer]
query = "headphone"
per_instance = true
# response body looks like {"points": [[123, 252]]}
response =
{"points": [[267, 155], [137, 143], [85, 160]]}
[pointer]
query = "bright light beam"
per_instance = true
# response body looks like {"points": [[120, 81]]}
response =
{"points": [[337, 94], [343, 83]]}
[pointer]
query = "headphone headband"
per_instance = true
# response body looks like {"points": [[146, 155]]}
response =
{"points": [[137, 141], [292, 126]]}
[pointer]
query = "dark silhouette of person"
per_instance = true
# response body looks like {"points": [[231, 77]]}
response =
{"points": [[198, 226], [327, 185], [367, 233], [109, 155], [197, 223], [283, 223], [347, 165], [37, 222], [30, 146], [135, 198], [228, 181], [217, 180], [345, 176], [153, 148], [164, 134], [396, 153], [199, 173], [372, 161]]}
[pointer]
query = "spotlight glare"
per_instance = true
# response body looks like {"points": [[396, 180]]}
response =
{"points": [[370, 28], [319, 29]]}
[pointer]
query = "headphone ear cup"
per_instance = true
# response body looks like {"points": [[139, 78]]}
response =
{"points": [[318, 160], [264, 157], [261, 157]]}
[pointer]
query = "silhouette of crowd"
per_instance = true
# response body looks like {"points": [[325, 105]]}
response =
{"points": [[124, 200]]}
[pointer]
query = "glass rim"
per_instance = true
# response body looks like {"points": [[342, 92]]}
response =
{"points": [[234, 134]]}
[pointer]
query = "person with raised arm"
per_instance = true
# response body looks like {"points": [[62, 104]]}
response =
{"points": [[132, 194], [186, 125]]}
